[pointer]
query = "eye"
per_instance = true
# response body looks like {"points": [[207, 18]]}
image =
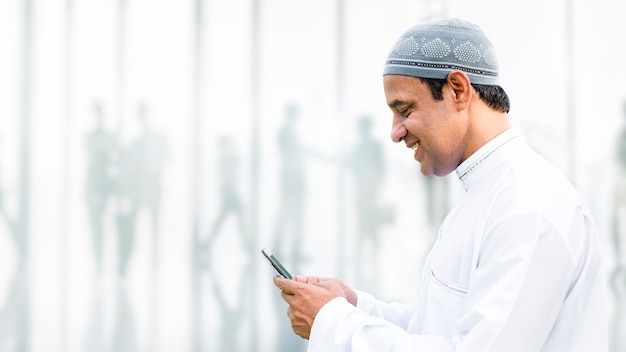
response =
{"points": [[405, 109]]}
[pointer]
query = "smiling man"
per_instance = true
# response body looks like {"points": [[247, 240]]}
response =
{"points": [[517, 263]]}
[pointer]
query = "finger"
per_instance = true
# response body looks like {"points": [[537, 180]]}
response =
{"points": [[310, 279], [299, 278], [286, 285], [287, 297], [290, 313], [324, 283], [331, 286]]}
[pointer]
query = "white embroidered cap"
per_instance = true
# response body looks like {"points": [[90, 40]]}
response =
{"points": [[435, 47]]}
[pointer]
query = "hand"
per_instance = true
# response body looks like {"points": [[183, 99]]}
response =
{"points": [[306, 296], [348, 292]]}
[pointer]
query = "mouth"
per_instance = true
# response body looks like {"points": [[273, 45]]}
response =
{"points": [[415, 146]]}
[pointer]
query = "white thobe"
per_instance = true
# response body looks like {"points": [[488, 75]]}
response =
{"points": [[516, 267]]}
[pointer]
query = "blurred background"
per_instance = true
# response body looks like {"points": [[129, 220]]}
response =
{"points": [[150, 148]]}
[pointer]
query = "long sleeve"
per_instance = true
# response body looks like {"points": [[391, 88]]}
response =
{"points": [[341, 327], [395, 313]]}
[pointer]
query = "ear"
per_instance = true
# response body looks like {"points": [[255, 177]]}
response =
{"points": [[459, 83]]}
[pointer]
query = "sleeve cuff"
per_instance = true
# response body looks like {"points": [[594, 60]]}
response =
{"points": [[325, 321], [365, 302]]}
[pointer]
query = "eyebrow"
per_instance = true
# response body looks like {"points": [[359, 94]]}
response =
{"points": [[395, 103]]}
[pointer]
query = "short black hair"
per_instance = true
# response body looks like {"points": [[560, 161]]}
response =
{"points": [[494, 96]]}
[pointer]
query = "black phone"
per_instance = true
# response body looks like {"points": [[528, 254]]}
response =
{"points": [[276, 264]]}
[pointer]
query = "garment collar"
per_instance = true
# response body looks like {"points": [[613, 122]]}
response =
{"points": [[469, 167]]}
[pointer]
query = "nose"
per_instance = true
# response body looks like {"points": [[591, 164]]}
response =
{"points": [[398, 131]]}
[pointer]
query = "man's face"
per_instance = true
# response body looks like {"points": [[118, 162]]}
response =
{"points": [[434, 129]]}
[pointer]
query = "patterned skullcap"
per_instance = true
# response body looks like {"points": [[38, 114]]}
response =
{"points": [[435, 47]]}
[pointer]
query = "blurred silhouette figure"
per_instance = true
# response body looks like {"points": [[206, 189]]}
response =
{"points": [[101, 147], [289, 222], [141, 167], [230, 198], [367, 167], [233, 317], [289, 231], [618, 275]]}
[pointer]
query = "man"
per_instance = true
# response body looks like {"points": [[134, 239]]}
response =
{"points": [[517, 263]]}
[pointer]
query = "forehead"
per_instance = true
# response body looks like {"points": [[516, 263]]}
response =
{"points": [[403, 88]]}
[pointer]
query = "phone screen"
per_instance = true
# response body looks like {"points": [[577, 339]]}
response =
{"points": [[276, 264]]}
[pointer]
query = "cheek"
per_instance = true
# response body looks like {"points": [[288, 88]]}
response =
{"points": [[441, 143], [416, 127]]}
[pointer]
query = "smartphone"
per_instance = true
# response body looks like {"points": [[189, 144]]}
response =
{"points": [[276, 264]]}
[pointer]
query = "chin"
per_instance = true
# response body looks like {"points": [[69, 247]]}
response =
{"points": [[426, 171], [429, 170]]}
